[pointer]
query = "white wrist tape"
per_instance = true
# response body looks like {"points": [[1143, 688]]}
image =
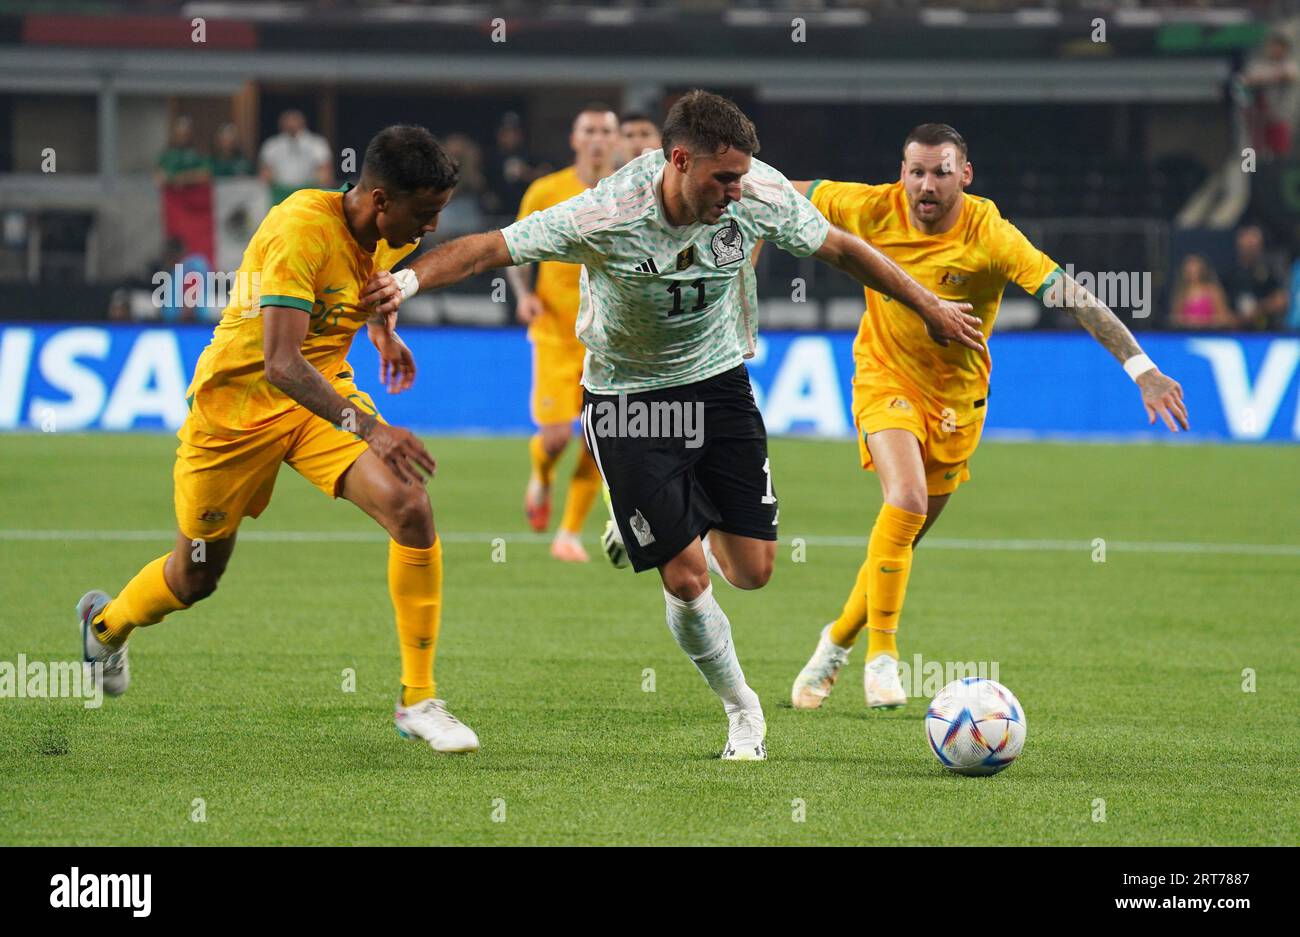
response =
{"points": [[1137, 365], [410, 283]]}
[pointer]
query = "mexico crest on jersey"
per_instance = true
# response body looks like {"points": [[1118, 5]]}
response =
{"points": [[728, 245]]}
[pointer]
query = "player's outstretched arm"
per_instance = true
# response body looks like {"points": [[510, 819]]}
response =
{"points": [[945, 320], [1161, 395], [283, 332], [444, 265]]}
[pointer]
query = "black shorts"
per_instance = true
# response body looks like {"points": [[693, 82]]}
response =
{"points": [[681, 461]]}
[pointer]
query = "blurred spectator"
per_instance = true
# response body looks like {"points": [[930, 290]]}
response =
{"points": [[228, 155], [1199, 302], [637, 133], [1258, 294], [1270, 80], [509, 167], [464, 213], [180, 266], [185, 181], [295, 158], [180, 163], [119, 305]]}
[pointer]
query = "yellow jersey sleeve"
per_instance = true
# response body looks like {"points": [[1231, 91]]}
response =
{"points": [[844, 204], [1018, 260], [291, 261], [534, 199]]}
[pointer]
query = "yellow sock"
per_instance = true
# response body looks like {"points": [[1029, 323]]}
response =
{"points": [[889, 563], [582, 492], [415, 586], [543, 464], [853, 617], [143, 601]]}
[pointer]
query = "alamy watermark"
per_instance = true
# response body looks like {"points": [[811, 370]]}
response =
{"points": [[56, 679], [212, 289], [1117, 289], [78, 889], [925, 678], [653, 419]]}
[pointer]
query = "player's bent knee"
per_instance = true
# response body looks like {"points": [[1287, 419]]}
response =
{"points": [[411, 511], [914, 500], [685, 582], [195, 586], [555, 438], [756, 576]]}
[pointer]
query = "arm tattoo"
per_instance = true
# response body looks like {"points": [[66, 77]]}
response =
{"points": [[1096, 317], [307, 386]]}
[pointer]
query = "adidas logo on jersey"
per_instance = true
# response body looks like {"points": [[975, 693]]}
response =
{"points": [[647, 266]]}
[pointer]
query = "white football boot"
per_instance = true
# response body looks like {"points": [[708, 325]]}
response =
{"points": [[746, 730], [430, 721], [116, 668], [814, 682], [611, 541], [884, 689]]}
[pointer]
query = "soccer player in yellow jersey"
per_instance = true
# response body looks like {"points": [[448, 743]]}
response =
{"points": [[274, 386], [549, 307], [919, 405]]}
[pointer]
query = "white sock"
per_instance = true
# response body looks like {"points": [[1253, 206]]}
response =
{"points": [[704, 633], [712, 561]]}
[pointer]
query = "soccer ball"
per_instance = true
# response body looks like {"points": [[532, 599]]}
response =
{"points": [[975, 726]]}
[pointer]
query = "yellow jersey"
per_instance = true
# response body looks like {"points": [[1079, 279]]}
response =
{"points": [[302, 256], [557, 283], [972, 263]]}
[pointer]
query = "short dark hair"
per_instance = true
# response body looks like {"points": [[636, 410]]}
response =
{"points": [[708, 123], [635, 117], [595, 107], [935, 135], [404, 158]]}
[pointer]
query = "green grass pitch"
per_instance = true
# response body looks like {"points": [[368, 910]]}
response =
{"points": [[1130, 670]]}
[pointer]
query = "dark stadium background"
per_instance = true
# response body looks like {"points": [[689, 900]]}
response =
{"points": [[1093, 148]]}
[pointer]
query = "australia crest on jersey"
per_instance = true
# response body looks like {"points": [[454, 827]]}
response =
{"points": [[728, 244]]}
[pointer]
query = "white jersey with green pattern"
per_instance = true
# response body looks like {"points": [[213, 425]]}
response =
{"points": [[664, 305]]}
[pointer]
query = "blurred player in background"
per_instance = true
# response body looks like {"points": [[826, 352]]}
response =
{"points": [[668, 317], [549, 307], [636, 133], [919, 405], [274, 386]]}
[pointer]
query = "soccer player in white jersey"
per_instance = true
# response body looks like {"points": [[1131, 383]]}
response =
{"points": [[668, 315]]}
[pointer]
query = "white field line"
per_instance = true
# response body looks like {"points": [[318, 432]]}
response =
{"points": [[854, 542]]}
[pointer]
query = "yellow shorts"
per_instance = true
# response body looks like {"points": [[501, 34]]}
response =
{"points": [[557, 382], [220, 481], [946, 448]]}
